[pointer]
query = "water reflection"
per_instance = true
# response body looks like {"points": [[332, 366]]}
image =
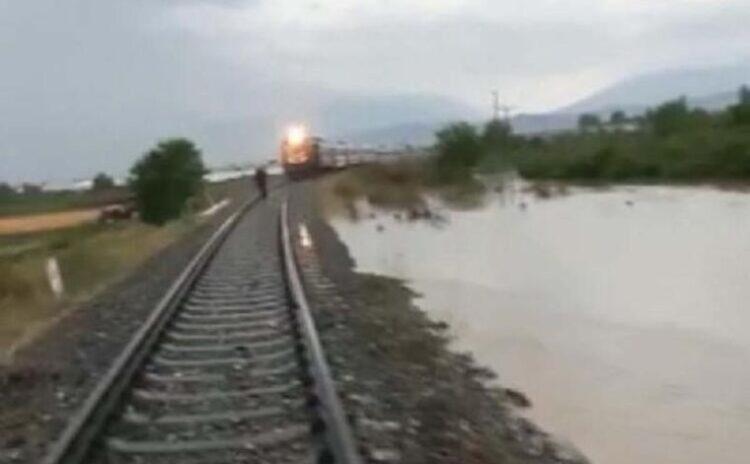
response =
{"points": [[621, 313]]}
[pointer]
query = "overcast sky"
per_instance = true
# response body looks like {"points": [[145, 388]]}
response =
{"points": [[88, 85]]}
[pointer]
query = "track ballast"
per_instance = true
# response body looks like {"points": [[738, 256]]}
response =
{"points": [[228, 369]]}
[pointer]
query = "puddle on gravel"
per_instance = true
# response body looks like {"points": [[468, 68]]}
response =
{"points": [[621, 313]]}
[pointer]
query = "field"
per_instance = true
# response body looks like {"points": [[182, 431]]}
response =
{"points": [[51, 202], [46, 221], [91, 256]]}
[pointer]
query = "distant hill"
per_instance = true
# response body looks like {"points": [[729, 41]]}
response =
{"points": [[709, 86], [712, 89]]}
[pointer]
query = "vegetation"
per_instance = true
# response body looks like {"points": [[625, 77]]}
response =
{"points": [[671, 141], [6, 190], [588, 121], [102, 182], [90, 258], [20, 204], [165, 178], [459, 149]]}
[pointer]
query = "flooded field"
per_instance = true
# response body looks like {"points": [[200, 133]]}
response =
{"points": [[623, 313]]}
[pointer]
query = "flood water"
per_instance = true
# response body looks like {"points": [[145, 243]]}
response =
{"points": [[623, 314]]}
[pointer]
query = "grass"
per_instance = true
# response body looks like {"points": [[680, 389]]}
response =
{"points": [[403, 186], [49, 202], [52, 202], [90, 258], [712, 153], [389, 186]]}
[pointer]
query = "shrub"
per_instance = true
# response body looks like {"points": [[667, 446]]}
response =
{"points": [[6, 190], [165, 178], [740, 113], [102, 182], [588, 121], [670, 117], [459, 149]]}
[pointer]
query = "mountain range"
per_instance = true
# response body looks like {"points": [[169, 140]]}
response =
{"points": [[709, 88]]}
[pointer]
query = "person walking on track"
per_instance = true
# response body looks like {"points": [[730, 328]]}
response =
{"points": [[261, 180]]}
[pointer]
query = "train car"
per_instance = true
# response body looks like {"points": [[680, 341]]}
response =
{"points": [[303, 155], [300, 152]]}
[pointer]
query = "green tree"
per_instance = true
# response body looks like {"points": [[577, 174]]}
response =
{"points": [[459, 149], [618, 117], [6, 190], [744, 95], [670, 117], [588, 121], [31, 189], [496, 136], [102, 182], [165, 178], [740, 113]]}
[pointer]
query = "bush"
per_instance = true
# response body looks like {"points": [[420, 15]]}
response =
{"points": [[6, 190], [740, 114], [459, 149], [102, 182], [588, 121], [165, 178], [670, 117]]}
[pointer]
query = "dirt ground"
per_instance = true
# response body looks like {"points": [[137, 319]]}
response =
{"points": [[48, 221]]}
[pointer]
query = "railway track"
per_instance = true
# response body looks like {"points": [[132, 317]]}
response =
{"points": [[228, 368]]}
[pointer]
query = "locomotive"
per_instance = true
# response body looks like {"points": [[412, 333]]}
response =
{"points": [[300, 152], [304, 155]]}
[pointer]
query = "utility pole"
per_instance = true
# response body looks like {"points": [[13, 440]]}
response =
{"points": [[498, 108], [495, 105]]}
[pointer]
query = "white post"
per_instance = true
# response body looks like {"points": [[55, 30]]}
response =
{"points": [[55, 278]]}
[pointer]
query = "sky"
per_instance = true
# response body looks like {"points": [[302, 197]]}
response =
{"points": [[89, 85]]}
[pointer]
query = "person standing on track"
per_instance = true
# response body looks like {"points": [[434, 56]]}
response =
{"points": [[260, 181]]}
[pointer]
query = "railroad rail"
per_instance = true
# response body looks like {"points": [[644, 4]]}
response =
{"points": [[227, 368]]}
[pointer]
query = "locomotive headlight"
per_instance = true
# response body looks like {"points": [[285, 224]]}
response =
{"points": [[296, 135]]}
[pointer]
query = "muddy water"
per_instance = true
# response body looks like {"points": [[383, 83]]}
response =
{"points": [[623, 314]]}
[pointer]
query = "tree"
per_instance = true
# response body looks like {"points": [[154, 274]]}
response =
{"points": [[6, 190], [102, 182], [670, 117], [458, 151], [165, 178], [744, 95], [588, 121], [740, 112], [618, 117], [31, 189], [496, 135]]}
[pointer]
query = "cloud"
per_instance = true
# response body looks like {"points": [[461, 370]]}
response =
{"points": [[87, 85], [540, 54]]}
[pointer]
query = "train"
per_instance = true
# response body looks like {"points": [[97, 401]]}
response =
{"points": [[300, 152], [303, 154]]}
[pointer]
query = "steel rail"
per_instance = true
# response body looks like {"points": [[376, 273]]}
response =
{"points": [[341, 446], [82, 430]]}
